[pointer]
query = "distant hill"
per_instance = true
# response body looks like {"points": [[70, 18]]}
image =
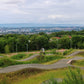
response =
{"points": [[19, 25]]}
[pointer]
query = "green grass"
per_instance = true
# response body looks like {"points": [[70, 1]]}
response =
{"points": [[9, 78], [51, 62], [69, 51], [21, 56], [18, 56], [53, 51], [46, 75], [80, 54], [39, 78], [44, 59], [3, 55], [72, 77], [4, 62], [78, 63]]}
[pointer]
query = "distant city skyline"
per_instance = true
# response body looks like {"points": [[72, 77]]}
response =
{"points": [[42, 11]]}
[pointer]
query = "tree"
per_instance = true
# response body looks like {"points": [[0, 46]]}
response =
{"points": [[21, 43], [7, 50], [77, 39], [39, 41], [65, 42], [2, 44]]}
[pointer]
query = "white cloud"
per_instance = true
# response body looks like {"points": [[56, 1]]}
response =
{"points": [[56, 16], [11, 1], [43, 10], [17, 11]]}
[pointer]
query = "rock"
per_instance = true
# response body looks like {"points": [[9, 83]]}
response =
{"points": [[50, 81]]}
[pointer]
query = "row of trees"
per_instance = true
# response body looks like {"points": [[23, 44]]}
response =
{"points": [[18, 43]]}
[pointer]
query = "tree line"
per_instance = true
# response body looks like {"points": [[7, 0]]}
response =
{"points": [[18, 43]]}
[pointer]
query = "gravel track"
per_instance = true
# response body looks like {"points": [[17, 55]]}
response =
{"points": [[60, 64]]}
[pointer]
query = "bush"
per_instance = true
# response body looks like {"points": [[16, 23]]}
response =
{"points": [[18, 56], [7, 62], [43, 59], [7, 50], [40, 57], [54, 51], [67, 51], [72, 77]]}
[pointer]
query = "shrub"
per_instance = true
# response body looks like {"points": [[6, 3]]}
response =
{"points": [[7, 62], [55, 52], [43, 59], [7, 50], [72, 77], [67, 51], [40, 57], [18, 56]]}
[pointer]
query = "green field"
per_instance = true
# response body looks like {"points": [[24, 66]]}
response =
{"points": [[36, 76]]}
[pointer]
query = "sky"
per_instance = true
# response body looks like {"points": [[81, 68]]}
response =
{"points": [[42, 11]]}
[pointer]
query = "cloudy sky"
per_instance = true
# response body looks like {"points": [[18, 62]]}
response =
{"points": [[42, 11]]}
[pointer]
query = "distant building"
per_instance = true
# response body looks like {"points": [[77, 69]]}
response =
{"points": [[55, 38]]}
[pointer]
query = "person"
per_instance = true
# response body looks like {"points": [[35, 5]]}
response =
{"points": [[43, 50]]}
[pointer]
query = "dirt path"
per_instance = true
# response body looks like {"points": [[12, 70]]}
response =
{"points": [[60, 64], [75, 53], [33, 56]]}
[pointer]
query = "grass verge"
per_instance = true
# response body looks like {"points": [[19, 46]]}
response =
{"points": [[78, 63], [46, 75], [21, 56]]}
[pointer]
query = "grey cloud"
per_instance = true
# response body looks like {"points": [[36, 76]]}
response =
{"points": [[39, 10], [13, 1]]}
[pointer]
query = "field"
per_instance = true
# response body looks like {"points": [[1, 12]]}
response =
{"points": [[34, 75]]}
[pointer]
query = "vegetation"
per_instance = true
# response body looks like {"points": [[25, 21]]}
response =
{"points": [[7, 49], [67, 51], [18, 56], [14, 76], [44, 59], [78, 63], [46, 75], [72, 77], [7, 62], [19, 43], [80, 54], [40, 59]]}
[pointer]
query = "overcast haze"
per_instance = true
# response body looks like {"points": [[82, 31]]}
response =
{"points": [[42, 11]]}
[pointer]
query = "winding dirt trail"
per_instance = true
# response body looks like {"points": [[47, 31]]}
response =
{"points": [[60, 64]]}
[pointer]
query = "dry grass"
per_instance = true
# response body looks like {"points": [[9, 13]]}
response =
{"points": [[19, 75]]}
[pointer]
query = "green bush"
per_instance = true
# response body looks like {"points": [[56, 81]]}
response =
{"points": [[7, 62], [45, 59], [7, 50], [67, 51], [18, 56], [72, 77], [40, 57], [55, 52]]}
